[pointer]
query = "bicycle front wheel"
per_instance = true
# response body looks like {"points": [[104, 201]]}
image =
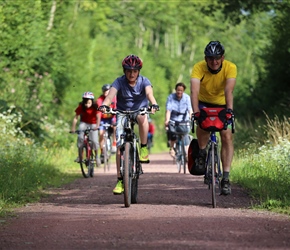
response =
{"points": [[127, 175]]}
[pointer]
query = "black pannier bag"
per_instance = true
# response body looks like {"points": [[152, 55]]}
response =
{"points": [[193, 151]]}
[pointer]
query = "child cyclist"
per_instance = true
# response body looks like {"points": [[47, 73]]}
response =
{"points": [[133, 92], [89, 117], [107, 119]]}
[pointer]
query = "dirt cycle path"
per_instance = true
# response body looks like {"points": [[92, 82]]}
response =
{"points": [[173, 212]]}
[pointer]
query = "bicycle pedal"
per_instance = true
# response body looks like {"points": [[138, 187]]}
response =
{"points": [[148, 161]]}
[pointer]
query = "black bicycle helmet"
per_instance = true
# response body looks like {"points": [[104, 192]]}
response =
{"points": [[106, 87], [214, 48], [132, 62]]}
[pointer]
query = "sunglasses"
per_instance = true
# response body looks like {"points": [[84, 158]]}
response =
{"points": [[212, 58]]}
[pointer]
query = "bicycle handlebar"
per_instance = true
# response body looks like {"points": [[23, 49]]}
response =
{"points": [[141, 111], [80, 131], [232, 120]]}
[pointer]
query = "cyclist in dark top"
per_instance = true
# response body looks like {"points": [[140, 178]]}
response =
{"points": [[133, 92]]}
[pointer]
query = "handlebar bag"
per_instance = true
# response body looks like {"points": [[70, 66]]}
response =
{"points": [[179, 127], [212, 119]]}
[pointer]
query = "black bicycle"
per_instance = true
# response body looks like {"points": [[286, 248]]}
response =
{"points": [[213, 172], [130, 168], [87, 159], [179, 148]]}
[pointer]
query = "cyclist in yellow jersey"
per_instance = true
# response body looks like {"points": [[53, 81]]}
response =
{"points": [[212, 85]]}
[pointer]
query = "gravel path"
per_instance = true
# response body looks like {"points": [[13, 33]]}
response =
{"points": [[174, 211]]}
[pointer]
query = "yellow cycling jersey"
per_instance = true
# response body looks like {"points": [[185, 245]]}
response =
{"points": [[212, 86]]}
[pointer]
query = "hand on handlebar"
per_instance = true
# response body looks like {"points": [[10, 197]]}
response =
{"points": [[154, 108], [104, 108], [229, 114], [195, 116]]}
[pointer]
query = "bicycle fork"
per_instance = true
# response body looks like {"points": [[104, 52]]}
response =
{"points": [[213, 153]]}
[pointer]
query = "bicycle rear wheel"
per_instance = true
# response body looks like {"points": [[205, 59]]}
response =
{"points": [[178, 157], [213, 183], [105, 154], [127, 174], [183, 157], [134, 194], [84, 162], [109, 152], [149, 144], [92, 163]]}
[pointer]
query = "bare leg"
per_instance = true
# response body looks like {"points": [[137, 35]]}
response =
{"points": [[227, 149]]}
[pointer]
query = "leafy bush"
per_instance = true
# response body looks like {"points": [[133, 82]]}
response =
{"points": [[28, 166], [265, 170]]}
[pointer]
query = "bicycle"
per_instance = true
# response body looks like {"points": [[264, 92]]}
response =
{"points": [[131, 167], [213, 171], [107, 147], [88, 163], [179, 148], [149, 142]]}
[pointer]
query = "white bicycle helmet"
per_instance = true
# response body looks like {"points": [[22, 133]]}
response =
{"points": [[88, 95]]}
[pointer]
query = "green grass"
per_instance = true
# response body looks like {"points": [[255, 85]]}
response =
{"points": [[265, 170], [26, 171]]}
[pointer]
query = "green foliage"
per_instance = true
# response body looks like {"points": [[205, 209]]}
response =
{"points": [[277, 73], [21, 174], [265, 170], [27, 167], [53, 51]]}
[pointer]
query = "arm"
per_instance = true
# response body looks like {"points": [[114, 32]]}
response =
{"points": [[167, 117], [110, 96], [190, 114], [149, 95], [229, 89], [74, 123], [194, 91], [98, 119]]}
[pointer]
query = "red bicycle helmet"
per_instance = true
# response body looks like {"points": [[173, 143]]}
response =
{"points": [[132, 62], [88, 95]]}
